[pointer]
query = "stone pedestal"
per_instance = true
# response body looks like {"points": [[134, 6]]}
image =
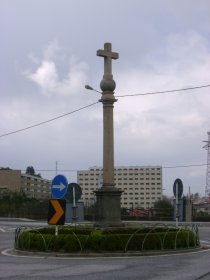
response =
{"points": [[108, 207], [108, 197]]}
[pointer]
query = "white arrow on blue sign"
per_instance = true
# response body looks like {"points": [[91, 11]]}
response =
{"points": [[59, 186]]}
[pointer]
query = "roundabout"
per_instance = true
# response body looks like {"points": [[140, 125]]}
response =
{"points": [[86, 241], [192, 265]]}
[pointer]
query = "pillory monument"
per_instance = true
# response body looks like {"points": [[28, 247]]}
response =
{"points": [[108, 197]]}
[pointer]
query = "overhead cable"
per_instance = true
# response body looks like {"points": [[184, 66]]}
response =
{"points": [[164, 91], [47, 121], [82, 108]]}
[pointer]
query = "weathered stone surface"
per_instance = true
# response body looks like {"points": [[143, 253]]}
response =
{"points": [[108, 207], [108, 197]]}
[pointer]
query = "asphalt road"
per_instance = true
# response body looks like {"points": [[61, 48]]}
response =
{"points": [[190, 266]]}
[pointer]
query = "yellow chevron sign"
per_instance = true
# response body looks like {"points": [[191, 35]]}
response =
{"points": [[56, 212]]}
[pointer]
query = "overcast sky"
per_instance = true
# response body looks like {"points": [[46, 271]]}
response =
{"points": [[48, 54]]}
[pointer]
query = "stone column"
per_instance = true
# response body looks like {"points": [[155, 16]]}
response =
{"points": [[188, 210], [108, 138], [108, 197]]}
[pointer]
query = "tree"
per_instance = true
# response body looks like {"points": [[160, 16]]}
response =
{"points": [[17, 204], [163, 207], [195, 195], [30, 170]]}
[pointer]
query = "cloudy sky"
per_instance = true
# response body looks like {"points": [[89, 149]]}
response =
{"points": [[48, 54]]}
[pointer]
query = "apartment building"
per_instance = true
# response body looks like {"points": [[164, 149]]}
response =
{"points": [[10, 180], [141, 185], [36, 187], [32, 186]]}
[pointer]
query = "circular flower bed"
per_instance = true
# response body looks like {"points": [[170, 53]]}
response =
{"points": [[86, 239]]}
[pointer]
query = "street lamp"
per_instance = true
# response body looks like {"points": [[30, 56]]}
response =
{"points": [[91, 88]]}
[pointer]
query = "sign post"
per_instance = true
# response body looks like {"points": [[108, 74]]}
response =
{"points": [[177, 205], [178, 191], [59, 186], [57, 205], [56, 213], [74, 193]]}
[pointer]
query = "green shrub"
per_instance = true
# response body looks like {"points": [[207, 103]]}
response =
{"points": [[72, 239], [32, 241], [64, 230]]}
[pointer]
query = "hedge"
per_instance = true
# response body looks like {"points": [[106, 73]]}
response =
{"points": [[71, 239]]}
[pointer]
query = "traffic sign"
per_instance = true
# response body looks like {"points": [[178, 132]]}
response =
{"points": [[59, 186], [56, 212], [73, 188], [178, 187]]}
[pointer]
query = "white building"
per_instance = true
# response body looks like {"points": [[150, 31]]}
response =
{"points": [[141, 185]]}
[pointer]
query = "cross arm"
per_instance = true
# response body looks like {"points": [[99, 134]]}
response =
{"points": [[105, 53]]}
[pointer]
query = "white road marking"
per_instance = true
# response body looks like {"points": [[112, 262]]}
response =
{"points": [[8, 252], [205, 241], [7, 229]]}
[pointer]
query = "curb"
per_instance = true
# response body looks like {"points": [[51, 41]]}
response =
{"points": [[105, 254]]}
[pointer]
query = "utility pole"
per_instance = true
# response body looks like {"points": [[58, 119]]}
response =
{"points": [[56, 167]]}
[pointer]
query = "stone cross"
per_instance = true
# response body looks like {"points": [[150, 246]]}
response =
{"points": [[108, 197], [108, 56]]}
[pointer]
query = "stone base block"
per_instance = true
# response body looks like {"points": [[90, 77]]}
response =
{"points": [[108, 207]]}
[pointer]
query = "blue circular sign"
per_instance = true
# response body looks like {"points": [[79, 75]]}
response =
{"points": [[59, 186]]}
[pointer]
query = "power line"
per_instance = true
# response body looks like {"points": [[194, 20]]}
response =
{"points": [[184, 166], [88, 87], [47, 121], [163, 167], [164, 91], [53, 170]]}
